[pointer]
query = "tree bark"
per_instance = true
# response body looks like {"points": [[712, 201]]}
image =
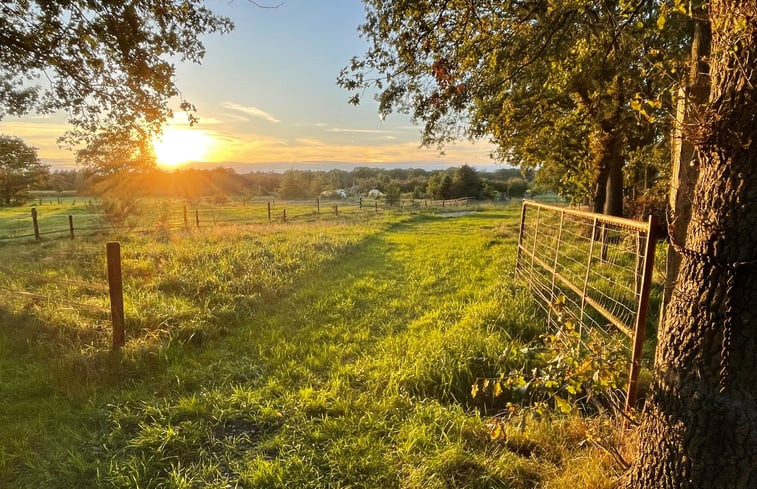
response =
{"points": [[607, 147], [601, 170], [684, 168], [614, 199], [700, 428]]}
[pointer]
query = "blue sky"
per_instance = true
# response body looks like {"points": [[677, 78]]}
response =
{"points": [[267, 98]]}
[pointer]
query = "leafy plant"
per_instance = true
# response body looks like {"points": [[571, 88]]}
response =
{"points": [[562, 368], [120, 211]]}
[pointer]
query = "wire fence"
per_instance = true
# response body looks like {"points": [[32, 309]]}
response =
{"points": [[92, 296], [591, 270], [36, 225]]}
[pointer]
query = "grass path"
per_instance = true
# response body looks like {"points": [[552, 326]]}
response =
{"points": [[358, 376]]}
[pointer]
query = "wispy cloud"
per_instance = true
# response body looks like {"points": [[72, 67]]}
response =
{"points": [[360, 131], [310, 142], [236, 117], [251, 111], [310, 124]]}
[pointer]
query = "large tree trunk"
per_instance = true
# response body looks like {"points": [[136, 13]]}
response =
{"points": [[684, 168], [614, 199], [700, 428], [601, 171], [607, 147], [608, 170]]}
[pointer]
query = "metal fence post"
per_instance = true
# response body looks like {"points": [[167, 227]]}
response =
{"points": [[588, 269], [554, 265], [520, 238]]}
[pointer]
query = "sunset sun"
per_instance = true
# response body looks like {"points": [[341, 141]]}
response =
{"points": [[176, 147]]}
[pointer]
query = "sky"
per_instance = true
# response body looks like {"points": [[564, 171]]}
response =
{"points": [[267, 99]]}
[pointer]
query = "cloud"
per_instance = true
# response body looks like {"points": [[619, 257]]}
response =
{"points": [[311, 124], [236, 117], [360, 131], [251, 111], [310, 142]]}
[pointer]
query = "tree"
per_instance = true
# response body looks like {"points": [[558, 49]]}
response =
{"points": [[542, 80], [107, 64], [20, 169], [700, 428], [467, 183], [392, 193]]}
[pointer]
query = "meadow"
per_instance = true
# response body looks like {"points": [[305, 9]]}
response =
{"points": [[337, 351]]}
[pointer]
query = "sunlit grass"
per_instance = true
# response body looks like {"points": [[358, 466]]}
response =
{"points": [[323, 354]]}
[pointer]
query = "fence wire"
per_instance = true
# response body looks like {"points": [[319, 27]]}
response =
{"points": [[588, 269]]}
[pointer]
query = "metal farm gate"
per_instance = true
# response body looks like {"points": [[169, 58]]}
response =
{"points": [[591, 269]]}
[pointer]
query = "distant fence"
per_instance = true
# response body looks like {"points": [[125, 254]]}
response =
{"points": [[113, 287], [592, 269], [185, 217]]}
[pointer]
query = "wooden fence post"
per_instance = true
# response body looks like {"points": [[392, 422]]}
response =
{"points": [[360, 203], [318, 205], [71, 225], [376, 205], [641, 315], [35, 223], [285, 215], [336, 210], [197, 217], [116, 290], [269, 212]]}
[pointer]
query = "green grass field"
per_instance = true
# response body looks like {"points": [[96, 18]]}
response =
{"points": [[327, 353]]}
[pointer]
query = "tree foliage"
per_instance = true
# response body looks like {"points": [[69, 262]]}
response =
{"points": [[106, 64], [551, 83], [20, 169]]}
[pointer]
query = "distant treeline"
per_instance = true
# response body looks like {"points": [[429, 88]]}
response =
{"points": [[463, 181]]}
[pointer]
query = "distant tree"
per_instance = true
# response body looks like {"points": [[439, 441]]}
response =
{"points": [[467, 183], [392, 193], [295, 184], [20, 169], [516, 187], [433, 187], [445, 187]]}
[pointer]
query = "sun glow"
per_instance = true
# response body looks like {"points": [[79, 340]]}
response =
{"points": [[179, 146]]}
